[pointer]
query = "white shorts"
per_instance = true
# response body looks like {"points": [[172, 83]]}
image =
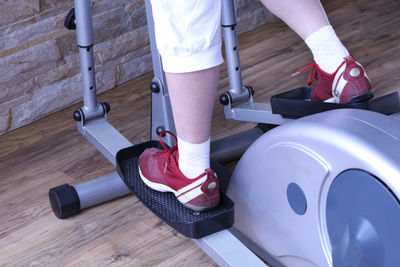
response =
{"points": [[188, 34]]}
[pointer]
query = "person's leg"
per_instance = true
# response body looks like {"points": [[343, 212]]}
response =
{"points": [[189, 40], [308, 19], [192, 98], [304, 17]]}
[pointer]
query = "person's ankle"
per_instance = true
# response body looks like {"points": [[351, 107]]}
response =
{"points": [[327, 49], [194, 159]]}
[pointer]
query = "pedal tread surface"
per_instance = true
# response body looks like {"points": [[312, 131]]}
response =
{"points": [[166, 206]]}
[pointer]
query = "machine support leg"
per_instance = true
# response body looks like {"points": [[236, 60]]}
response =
{"points": [[84, 31], [229, 27], [101, 190]]}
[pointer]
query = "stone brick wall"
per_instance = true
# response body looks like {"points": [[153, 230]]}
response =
{"points": [[39, 60]]}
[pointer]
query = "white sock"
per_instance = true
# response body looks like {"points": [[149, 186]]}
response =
{"points": [[194, 159], [327, 49]]}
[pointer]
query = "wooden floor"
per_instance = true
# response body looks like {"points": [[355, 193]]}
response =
{"points": [[123, 233]]}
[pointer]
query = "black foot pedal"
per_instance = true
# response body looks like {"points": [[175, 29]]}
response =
{"points": [[296, 103], [189, 223]]}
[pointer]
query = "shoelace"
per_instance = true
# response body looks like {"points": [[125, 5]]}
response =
{"points": [[312, 75], [167, 151]]}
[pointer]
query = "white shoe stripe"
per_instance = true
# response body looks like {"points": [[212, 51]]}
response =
{"points": [[192, 185], [156, 186], [340, 86], [341, 83], [183, 198], [186, 193], [335, 84], [330, 100], [190, 195]]}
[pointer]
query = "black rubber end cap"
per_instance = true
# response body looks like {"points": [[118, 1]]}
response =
{"points": [[224, 98], [77, 115], [64, 201]]}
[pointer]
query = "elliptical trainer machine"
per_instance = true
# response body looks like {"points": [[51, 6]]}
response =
{"points": [[322, 189]]}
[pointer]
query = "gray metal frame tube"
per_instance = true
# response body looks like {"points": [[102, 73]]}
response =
{"points": [[155, 56], [108, 141], [88, 79], [101, 190], [226, 250], [84, 31], [84, 26], [254, 112], [161, 111], [232, 147], [104, 137], [228, 21]]}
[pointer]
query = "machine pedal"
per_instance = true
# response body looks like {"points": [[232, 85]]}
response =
{"points": [[189, 223], [296, 103]]}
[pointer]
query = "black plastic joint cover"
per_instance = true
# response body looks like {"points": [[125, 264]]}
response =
{"points": [[64, 201], [106, 107], [69, 22], [250, 89], [77, 115], [155, 87], [225, 98]]}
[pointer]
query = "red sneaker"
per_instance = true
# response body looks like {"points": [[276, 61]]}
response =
{"points": [[160, 171], [348, 84]]}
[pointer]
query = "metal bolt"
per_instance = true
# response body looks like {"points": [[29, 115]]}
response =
{"points": [[159, 130]]}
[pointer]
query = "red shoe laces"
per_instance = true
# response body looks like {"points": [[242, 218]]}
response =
{"points": [[167, 151], [312, 75]]}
